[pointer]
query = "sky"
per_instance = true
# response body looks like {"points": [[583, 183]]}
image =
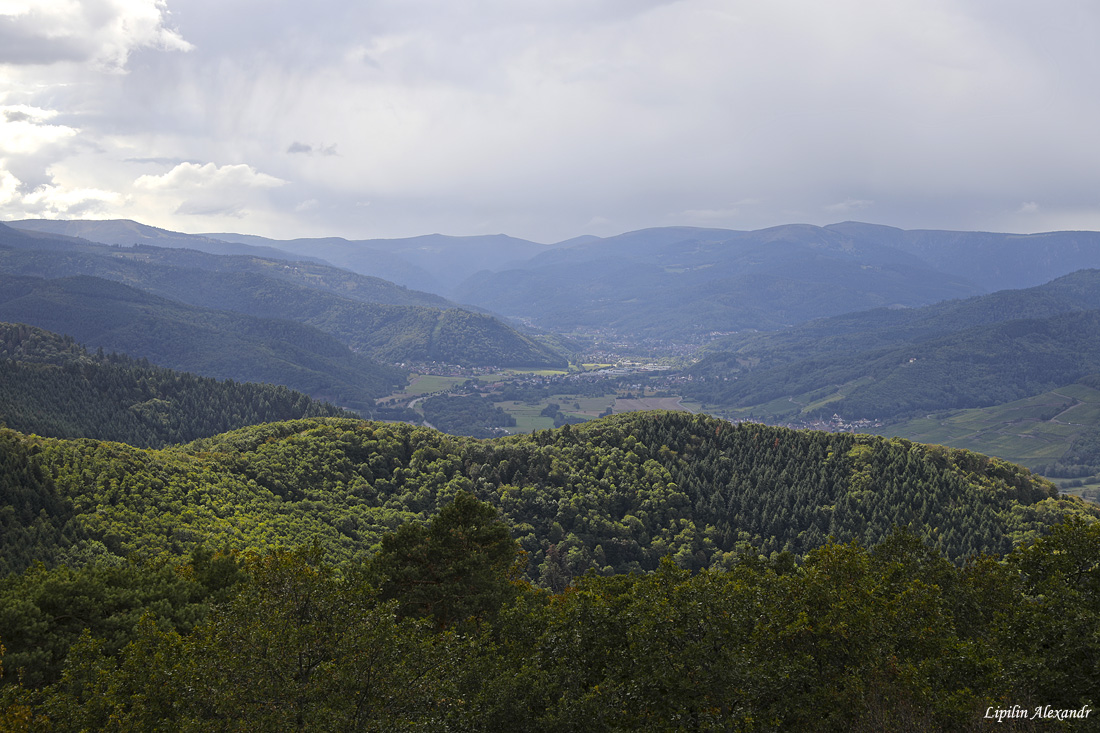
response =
{"points": [[549, 119]]}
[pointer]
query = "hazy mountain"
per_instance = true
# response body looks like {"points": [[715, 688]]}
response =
{"points": [[992, 260], [386, 321], [682, 281], [126, 233], [134, 264], [433, 262], [103, 314]]}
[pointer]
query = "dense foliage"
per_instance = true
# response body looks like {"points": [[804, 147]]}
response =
{"points": [[51, 386], [470, 415], [976, 367], [613, 495], [850, 639]]}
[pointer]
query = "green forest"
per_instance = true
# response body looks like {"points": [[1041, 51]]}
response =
{"points": [[975, 367], [49, 385], [438, 631], [117, 318], [612, 496], [646, 571]]}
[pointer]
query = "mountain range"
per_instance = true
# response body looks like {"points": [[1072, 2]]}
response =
{"points": [[678, 283], [891, 364], [387, 322]]}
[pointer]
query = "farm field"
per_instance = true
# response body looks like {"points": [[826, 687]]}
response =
{"points": [[1034, 431]]}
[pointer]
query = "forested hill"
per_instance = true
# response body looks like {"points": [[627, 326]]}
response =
{"points": [[51, 386], [372, 316], [613, 495], [976, 367], [144, 265], [103, 314], [882, 327]]}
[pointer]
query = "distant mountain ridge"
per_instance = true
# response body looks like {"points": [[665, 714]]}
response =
{"points": [[685, 282], [127, 233], [896, 364], [995, 261], [678, 283], [433, 262], [388, 322]]}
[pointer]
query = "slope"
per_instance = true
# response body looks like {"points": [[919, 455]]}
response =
{"points": [[385, 321], [51, 386], [882, 327], [995, 261], [104, 314], [433, 262], [975, 367], [127, 233], [614, 495], [1056, 433]]}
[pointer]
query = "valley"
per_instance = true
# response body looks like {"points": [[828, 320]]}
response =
{"points": [[214, 460], [883, 369]]}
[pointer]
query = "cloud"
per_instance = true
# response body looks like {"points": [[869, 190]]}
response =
{"points": [[9, 188], [306, 149], [1028, 207], [55, 201], [58, 198], [192, 176], [24, 129], [101, 32], [217, 193]]}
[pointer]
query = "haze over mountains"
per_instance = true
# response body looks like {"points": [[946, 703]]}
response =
{"points": [[385, 321], [799, 322], [677, 282]]}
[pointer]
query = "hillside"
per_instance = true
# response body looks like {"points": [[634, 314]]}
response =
{"points": [[104, 314], [993, 260], [977, 367], [163, 596], [892, 365], [385, 321], [433, 262], [612, 495], [129, 233], [51, 386], [882, 327], [150, 267], [1056, 433]]}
